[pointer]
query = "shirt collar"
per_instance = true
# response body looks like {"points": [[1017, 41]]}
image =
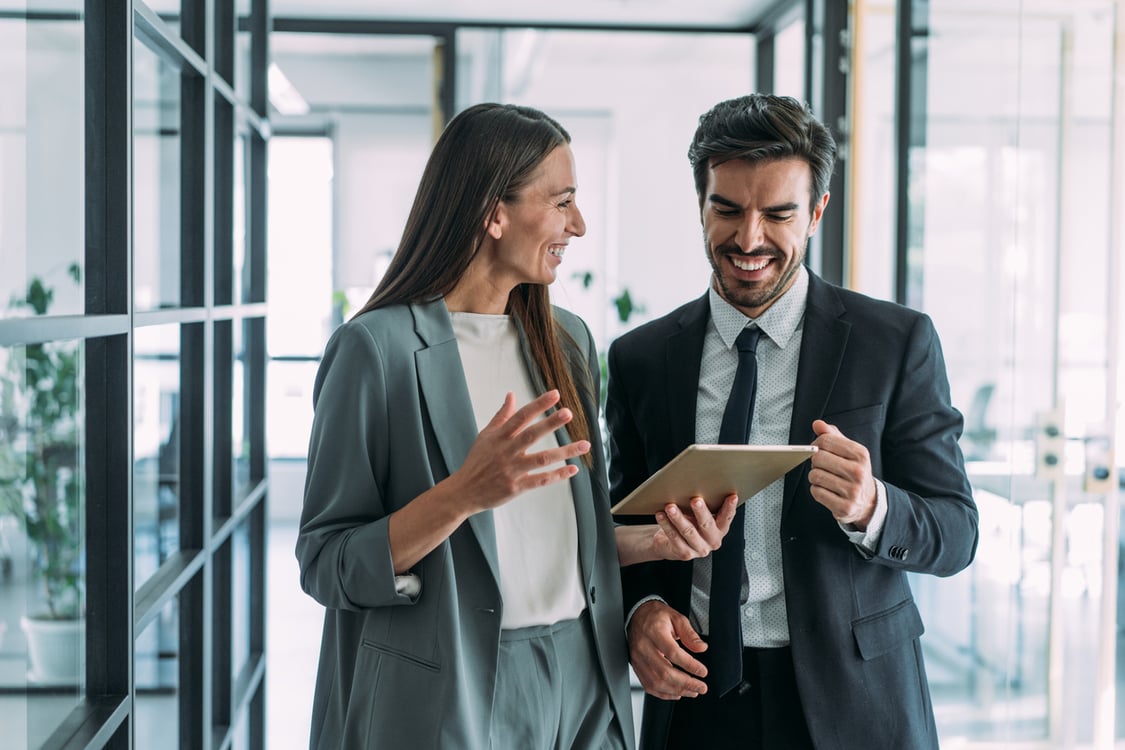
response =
{"points": [[779, 321]]}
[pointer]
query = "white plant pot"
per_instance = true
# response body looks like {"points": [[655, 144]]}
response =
{"points": [[55, 649]]}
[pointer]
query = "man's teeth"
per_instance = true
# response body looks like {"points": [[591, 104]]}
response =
{"points": [[557, 251], [748, 265]]}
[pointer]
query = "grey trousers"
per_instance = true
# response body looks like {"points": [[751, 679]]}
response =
{"points": [[550, 694]]}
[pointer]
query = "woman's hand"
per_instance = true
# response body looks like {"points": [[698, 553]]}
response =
{"points": [[676, 535], [501, 465]]}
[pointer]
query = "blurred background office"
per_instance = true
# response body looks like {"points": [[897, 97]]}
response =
{"points": [[193, 193]]}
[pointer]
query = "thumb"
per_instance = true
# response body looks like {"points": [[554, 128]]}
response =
{"points": [[820, 427], [686, 635]]}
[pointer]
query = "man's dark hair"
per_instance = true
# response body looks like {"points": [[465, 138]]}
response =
{"points": [[762, 127]]}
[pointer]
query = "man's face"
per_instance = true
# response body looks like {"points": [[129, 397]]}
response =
{"points": [[756, 226]]}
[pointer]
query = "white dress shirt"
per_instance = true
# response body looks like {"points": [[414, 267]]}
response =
{"points": [[764, 619]]}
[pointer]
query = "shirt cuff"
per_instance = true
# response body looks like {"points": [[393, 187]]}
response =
{"points": [[646, 600], [868, 541], [408, 585]]}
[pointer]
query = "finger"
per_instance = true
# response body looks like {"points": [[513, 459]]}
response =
{"points": [[536, 479], [727, 513], [507, 409], [687, 528], [679, 549], [710, 532], [532, 410], [537, 461], [531, 434], [820, 427]]}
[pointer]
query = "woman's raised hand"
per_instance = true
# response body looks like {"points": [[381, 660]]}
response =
{"points": [[501, 464]]}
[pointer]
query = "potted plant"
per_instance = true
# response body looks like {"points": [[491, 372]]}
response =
{"points": [[41, 485]]}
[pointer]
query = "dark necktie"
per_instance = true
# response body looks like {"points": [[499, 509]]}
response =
{"points": [[725, 636]]}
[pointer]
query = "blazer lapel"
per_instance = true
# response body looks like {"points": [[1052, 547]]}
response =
{"points": [[823, 342], [683, 359], [441, 379]]}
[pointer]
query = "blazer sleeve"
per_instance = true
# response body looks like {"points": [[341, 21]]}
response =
{"points": [[932, 524], [343, 546], [627, 470]]}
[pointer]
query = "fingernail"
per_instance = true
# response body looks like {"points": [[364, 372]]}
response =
{"points": [[660, 516], [697, 502]]}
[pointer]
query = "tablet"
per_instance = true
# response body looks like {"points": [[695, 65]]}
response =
{"points": [[713, 472]]}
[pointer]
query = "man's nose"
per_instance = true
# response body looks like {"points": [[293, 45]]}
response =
{"points": [[750, 234]]}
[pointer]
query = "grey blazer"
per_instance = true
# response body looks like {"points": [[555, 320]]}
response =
{"points": [[392, 418]]}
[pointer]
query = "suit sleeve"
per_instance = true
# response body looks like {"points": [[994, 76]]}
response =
{"points": [[931, 524], [343, 546], [627, 470]]}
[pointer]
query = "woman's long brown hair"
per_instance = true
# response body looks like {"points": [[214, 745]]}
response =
{"points": [[486, 154]]}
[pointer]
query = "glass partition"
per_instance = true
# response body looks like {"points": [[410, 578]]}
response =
{"points": [[42, 160], [156, 448], [42, 539], [1007, 250]]}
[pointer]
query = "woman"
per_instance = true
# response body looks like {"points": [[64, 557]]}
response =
{"points": [[473, 596]]}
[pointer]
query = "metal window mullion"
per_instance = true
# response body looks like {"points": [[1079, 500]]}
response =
{"points": [[108, 384]]}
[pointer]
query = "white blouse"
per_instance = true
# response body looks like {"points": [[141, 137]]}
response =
{"points": [[536, 532]]}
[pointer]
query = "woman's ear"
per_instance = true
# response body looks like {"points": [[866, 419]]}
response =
{"points": [[496, 221]]}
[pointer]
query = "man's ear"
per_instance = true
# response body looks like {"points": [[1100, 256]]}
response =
{"points": [[496, 221], [818, 211]]}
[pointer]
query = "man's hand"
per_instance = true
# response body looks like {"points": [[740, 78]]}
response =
{"points": [[841, 478], [658, 637]]}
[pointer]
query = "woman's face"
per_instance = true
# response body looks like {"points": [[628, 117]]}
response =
{"points": [[531, 233]]}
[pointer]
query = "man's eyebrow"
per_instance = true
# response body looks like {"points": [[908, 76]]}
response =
{"points": [[716, 198], [780, 208]]}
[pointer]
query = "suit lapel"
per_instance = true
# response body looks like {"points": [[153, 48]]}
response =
{"points": [[441, 379], [823, 342], [683, 359]]}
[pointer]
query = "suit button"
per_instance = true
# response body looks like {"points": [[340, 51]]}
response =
{"points": [[593, 595]]}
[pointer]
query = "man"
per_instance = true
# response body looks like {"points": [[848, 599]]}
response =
{"points": [[829, 631]]}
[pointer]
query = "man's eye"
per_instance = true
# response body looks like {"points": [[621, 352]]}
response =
{"points": [[565, 204], [780, 217], [726, 211]]}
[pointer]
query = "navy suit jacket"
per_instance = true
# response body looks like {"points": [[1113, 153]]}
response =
{"points": [[875, 370]]}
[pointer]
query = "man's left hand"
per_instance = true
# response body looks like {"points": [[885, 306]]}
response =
{"points": [[841, 478]]}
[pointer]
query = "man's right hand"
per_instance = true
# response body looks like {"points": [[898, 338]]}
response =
{"points": [[661, 643]]}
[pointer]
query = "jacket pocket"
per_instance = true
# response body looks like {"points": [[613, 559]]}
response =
{"points": [[855, 417], [405, 656], [877, 634]]}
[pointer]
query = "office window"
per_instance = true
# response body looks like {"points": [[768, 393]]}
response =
{"points": [[157, 432], [41, 159], [157, 664], [42, 538], [157, 168]]}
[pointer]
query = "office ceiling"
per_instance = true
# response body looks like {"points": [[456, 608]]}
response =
{"points": [[709, 13]]}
